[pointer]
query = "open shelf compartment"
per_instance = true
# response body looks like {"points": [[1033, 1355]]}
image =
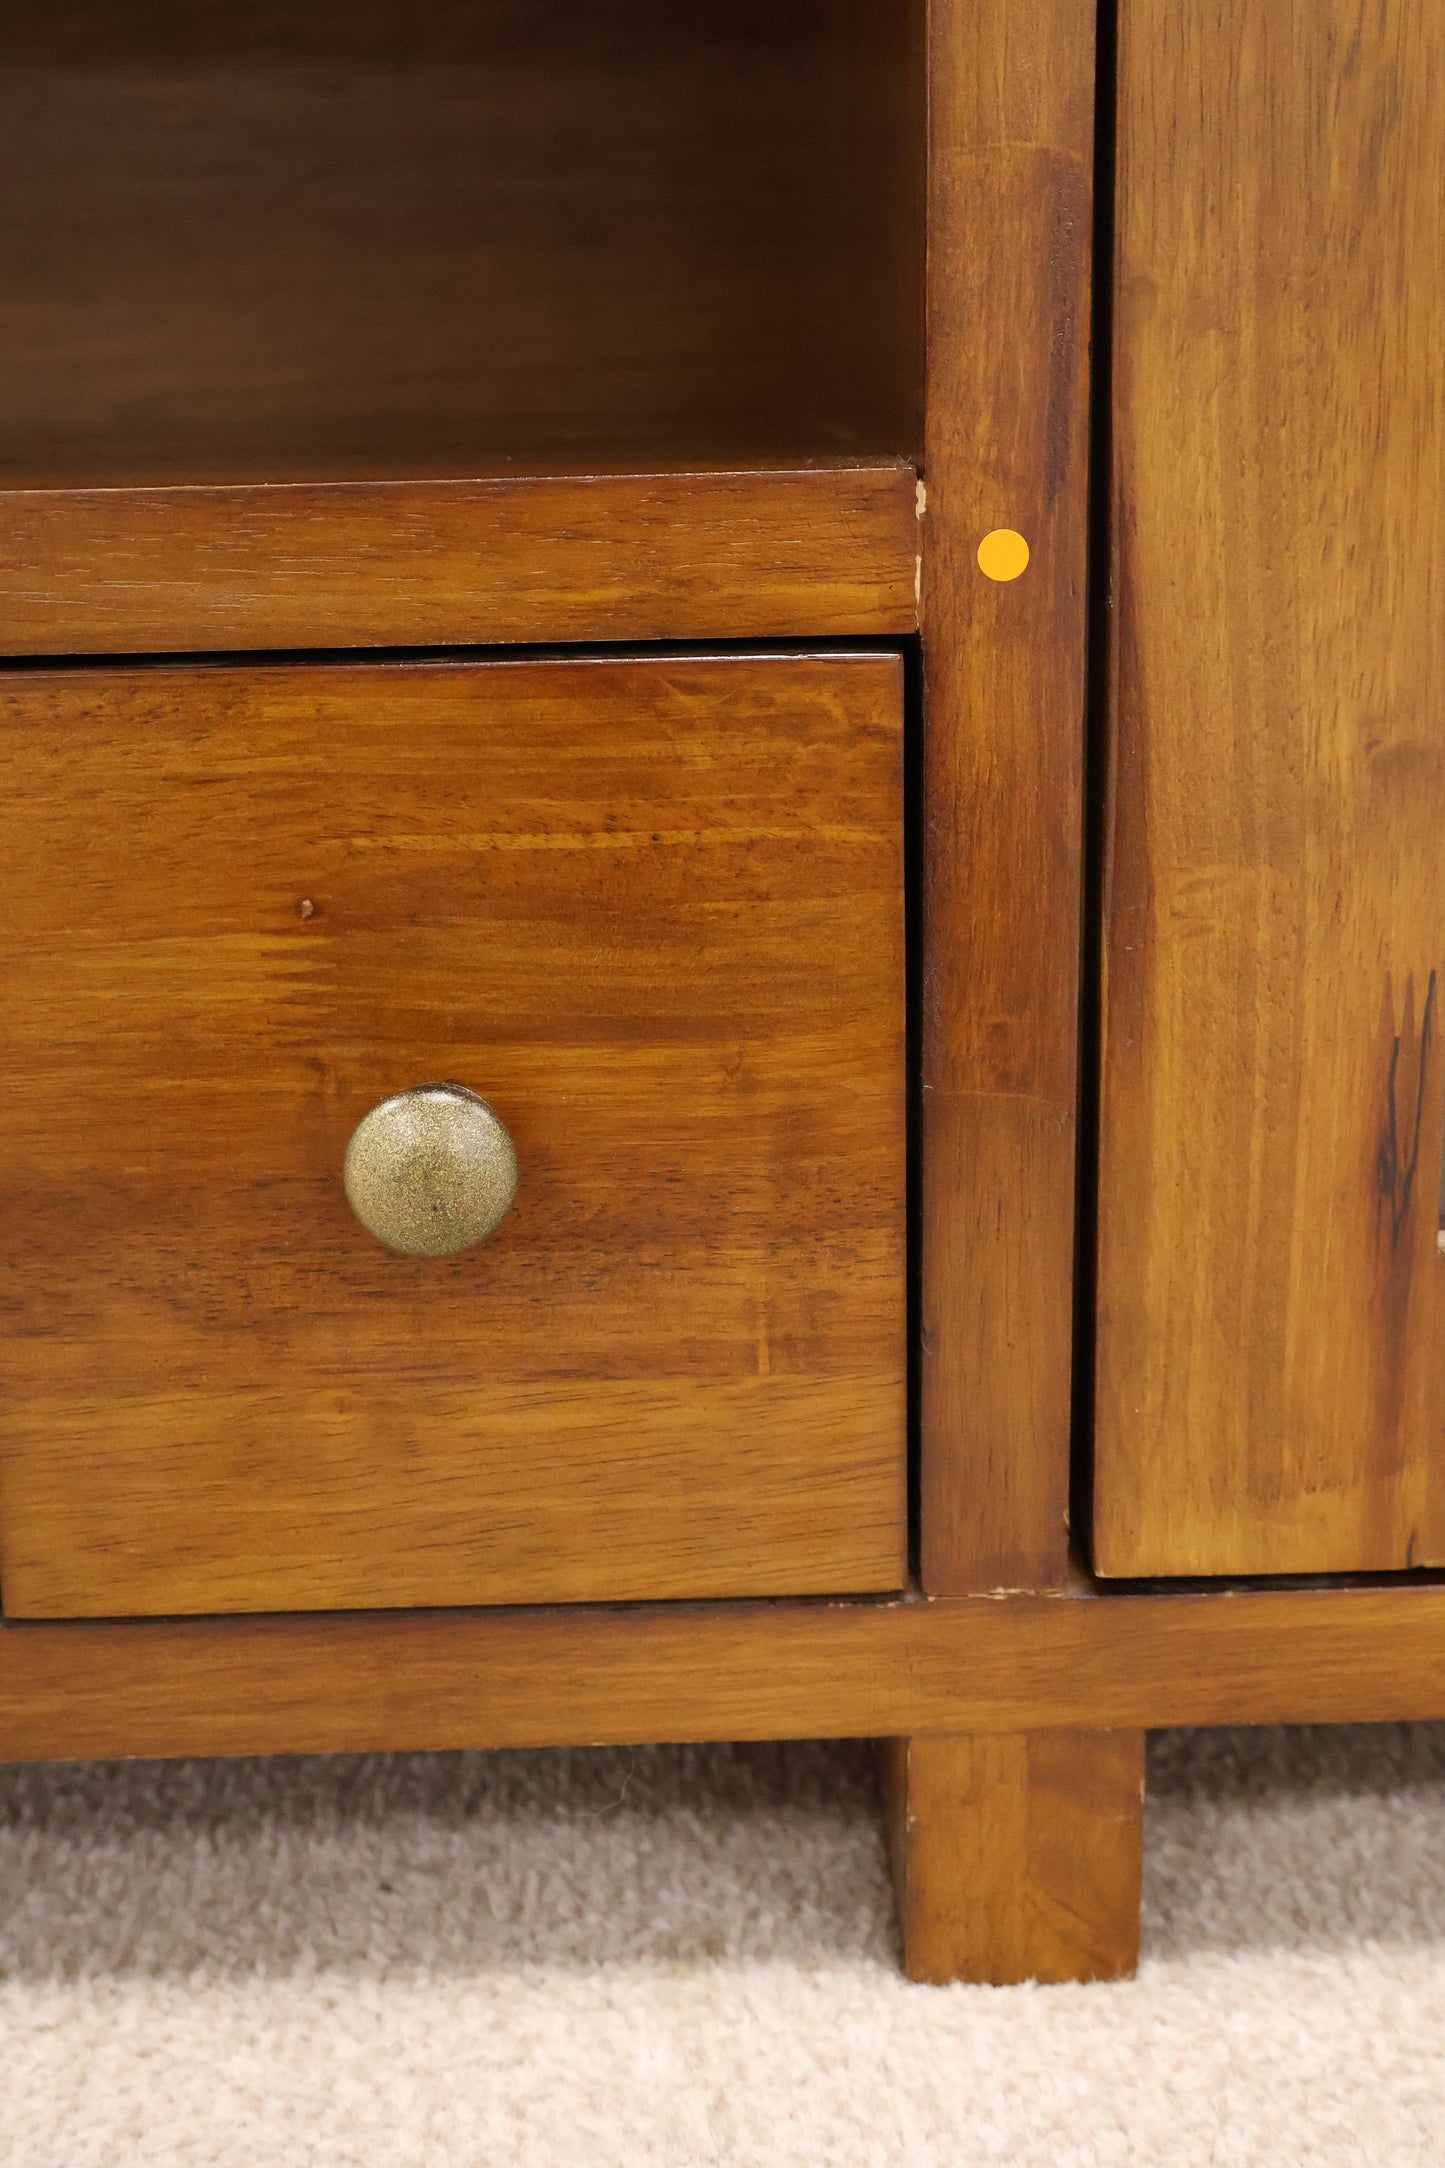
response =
{"points": [[370, 240]]}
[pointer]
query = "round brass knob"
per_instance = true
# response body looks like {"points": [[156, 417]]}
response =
{"points": [[432, 1171]]}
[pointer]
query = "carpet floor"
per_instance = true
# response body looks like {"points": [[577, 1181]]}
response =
{"points": [[687, 1955]]}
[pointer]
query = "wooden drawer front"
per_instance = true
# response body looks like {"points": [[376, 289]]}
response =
{"points": [[652, 910]]}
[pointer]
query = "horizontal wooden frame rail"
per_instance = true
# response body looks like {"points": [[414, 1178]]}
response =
{"points": [[751, 553], [631, 1674]]}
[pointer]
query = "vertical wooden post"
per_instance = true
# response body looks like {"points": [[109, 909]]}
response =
{"points": [[1011, 89], [1017, 1855]]}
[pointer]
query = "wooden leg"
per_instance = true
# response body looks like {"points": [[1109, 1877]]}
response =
{"points": [[1016, 1855]]}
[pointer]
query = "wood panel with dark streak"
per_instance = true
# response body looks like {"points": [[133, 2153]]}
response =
{"points": [[1274, 1061], [1011, 133]]}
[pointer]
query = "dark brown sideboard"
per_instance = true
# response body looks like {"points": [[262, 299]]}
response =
{"points": [[502, 588]]}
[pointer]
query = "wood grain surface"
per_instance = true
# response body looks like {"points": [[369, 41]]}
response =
{"points": [[652, 911], [1269, 1286], [366, 239], [1016, 1855], [1011, 132], [787, 552], [399, 1680]]}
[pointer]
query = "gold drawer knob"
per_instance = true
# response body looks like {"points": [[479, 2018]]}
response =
{"points": [[431, 1171]]}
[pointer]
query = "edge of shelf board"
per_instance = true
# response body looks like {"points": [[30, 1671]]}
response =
{"points": [[804, 551]]}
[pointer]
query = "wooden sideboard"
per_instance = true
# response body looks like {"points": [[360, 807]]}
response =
{"points": [[839, 609]]}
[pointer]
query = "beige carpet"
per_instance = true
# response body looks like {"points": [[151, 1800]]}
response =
{"points": [[687, 1956]]}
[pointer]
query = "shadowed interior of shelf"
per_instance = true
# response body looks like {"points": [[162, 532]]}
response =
{"points": [[366, 239]]}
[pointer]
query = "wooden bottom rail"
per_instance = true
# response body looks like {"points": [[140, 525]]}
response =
{"points": [[1081, 1659]]}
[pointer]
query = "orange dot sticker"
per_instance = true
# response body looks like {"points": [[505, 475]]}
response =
{"points": [[1002, 555]]}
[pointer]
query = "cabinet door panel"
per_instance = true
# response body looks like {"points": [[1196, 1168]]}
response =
{"points": [[1269, 1278]]}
